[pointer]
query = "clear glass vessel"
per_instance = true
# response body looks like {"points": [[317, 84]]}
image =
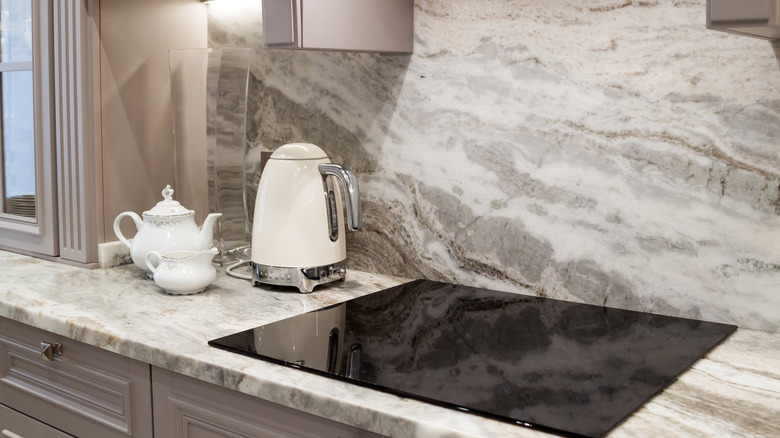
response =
{"points": [[208, 104]]}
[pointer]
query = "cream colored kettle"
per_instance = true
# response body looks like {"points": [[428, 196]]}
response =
{"points": [[298, 229]]}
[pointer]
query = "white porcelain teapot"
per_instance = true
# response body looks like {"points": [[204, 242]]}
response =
{"points": [[166, 227]]}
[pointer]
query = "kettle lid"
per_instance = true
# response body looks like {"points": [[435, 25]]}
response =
{"points": [[168, 207], [299, 151]]}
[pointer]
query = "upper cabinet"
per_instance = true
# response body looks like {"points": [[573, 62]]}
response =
{"points": [[348, 25], [756, 18]]}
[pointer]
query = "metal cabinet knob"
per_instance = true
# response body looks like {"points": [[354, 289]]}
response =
{"points": [[48, 351]]}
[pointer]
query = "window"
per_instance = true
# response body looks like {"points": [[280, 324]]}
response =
{"points": [[27, 187], [17, 141]]}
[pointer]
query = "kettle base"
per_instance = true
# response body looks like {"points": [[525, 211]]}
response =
{"points": [[303, 278]]}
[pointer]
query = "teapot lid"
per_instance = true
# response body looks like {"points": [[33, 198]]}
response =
{"points": [[168, 207]]}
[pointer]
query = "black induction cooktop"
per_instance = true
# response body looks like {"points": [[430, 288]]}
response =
{"points": [[562, 367]]}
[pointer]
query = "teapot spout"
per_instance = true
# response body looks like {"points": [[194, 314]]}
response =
{"points": [[206, 235]]}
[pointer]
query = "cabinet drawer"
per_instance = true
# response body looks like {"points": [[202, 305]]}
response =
{"points": [[84, 391], [16, 425]]}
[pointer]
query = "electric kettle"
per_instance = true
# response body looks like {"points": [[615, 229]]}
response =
{"points": [[298, 228]]}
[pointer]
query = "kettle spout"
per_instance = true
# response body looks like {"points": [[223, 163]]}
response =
{"points": [[206, 235]]}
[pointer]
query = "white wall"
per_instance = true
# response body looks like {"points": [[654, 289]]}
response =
{"points": [[137, 135]]}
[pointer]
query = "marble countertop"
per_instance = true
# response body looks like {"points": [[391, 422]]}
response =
{"points": [[735, 390]]}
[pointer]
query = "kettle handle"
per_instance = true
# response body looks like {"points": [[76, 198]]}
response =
{"points": [[349, 183]]}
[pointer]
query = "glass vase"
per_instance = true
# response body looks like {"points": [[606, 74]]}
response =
{"points": [[208, 105]]}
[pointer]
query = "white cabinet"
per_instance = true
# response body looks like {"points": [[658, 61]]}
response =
{"points": [[65, 123], [188, 408], [83, 391], [16, 425], [350, 25], [756, 18]]}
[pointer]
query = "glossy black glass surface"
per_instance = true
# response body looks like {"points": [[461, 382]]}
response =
{"points": [[562, 367]]}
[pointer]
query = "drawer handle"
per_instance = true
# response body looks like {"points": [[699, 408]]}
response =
{"points": [[48, 351], [8, 434]]}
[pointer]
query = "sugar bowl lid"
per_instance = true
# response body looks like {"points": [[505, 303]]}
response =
{"points": [[168, 207]]}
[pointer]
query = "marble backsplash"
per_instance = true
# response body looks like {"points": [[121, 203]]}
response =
{"points": [[611, 152]]}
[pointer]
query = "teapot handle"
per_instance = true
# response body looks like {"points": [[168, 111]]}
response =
{"points": [[118, 232], [148, 259]]}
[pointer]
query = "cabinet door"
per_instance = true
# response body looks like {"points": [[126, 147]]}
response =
{"points": [[84, 391], [49, 122], [16, 425], [188, 408]]}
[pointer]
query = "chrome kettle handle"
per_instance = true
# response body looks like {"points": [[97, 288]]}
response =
{"points": [[349, 183]]}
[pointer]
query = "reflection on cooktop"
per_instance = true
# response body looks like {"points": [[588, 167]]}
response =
{"points": [[562, 367]]}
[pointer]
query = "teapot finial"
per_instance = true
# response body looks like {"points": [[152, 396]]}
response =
{"points": [[167, 192]]}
